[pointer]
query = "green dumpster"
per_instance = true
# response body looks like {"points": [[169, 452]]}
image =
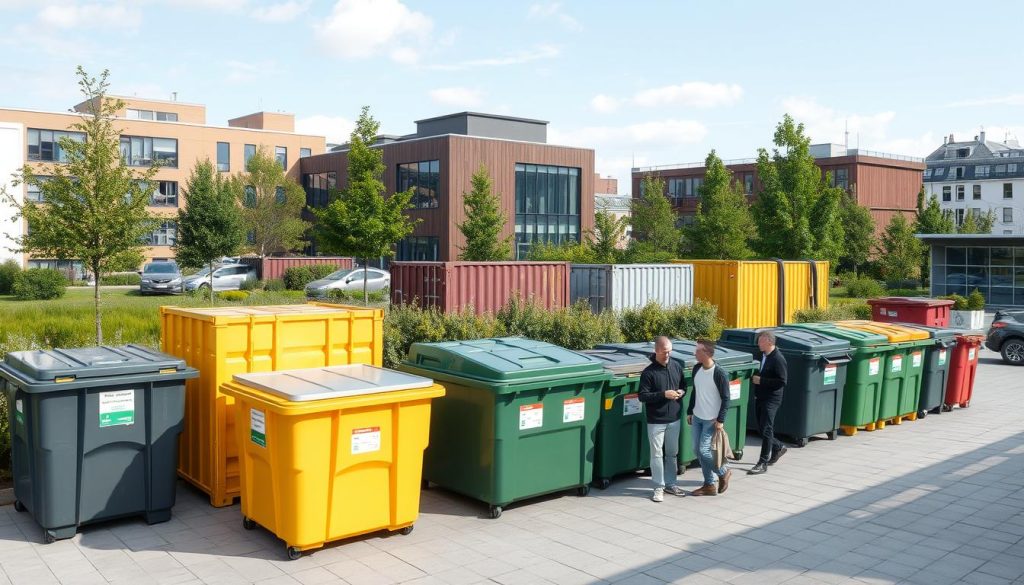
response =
{"points": [[904, 368], [936, 367], [813, 398], [94, 433], [517, 420]]}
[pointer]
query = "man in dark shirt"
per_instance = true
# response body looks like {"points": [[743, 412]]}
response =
{"points": [[769, 384], [662, 385]]}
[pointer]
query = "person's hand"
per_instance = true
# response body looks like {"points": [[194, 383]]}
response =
{"points": [[718, 425], [756, 379], [689, 419]]}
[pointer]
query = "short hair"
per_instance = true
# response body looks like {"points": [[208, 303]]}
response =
{"points": [[767, 334], [708, 345], [662, 340]]}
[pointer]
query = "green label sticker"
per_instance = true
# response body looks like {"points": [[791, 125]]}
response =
{"points": [[117, 408], [258, 427], [830, 374], [19, 411], [942, 357]]}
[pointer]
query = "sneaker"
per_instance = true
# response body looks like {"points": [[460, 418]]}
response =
{"points": [[758, 469], [659, 495], [777, 455], [708, 489], [723, 483], [675, 490]]}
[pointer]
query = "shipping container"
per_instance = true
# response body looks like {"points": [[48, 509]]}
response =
{"points": [[483, 286], [269, 268], [629, 286], [760, 293]]}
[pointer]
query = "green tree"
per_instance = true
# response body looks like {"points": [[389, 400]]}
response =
{"points": [[723, 226], [210, 225], [271, 205], [608, 231], [484, 222], [859, 233], [654, 222], [363, 222], [931, 219], [899, 251], [970, 224], [94, 206]]}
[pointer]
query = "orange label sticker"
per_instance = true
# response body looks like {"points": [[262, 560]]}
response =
{"points": [[573, 410], [631, 405], [365, 440], [531, 416]]}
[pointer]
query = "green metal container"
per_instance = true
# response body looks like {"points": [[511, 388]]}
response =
{"points": [[517, 421], [936, 367]]}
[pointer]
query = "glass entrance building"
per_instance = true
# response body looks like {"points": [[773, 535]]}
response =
{"points": [[993, 264]]}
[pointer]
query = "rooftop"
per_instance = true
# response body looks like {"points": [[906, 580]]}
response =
{"points": [[827, 150]]}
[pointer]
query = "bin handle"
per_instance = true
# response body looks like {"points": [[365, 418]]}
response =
{"points": [[426, 359], [839, 360]]}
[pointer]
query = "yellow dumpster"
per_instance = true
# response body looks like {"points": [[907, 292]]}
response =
{"points": [[330, 453], [221, 342]]}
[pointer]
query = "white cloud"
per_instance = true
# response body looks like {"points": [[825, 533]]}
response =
{"points": [[218, 5], [823, 124], [461, 97], [656, 133], [76, 16], [698, 94], [553, 11], [518, 58], [1015, 99], [604, 104], [243, 72], [282, 12], [359, 29], [145, 90], [335, 128]]}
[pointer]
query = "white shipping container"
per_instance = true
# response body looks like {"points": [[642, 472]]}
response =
{"points": [[629, 286]]}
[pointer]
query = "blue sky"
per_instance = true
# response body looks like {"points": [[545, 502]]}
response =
{"points": [[645, 82]]}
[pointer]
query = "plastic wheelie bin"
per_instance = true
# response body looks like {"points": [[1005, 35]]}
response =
{"points": [[330, 453], [962, 370], [816, 364], [863, 390], [904, 369], [917, 311], [620, 444], [517, 420], [94, 433], [935, 379]]}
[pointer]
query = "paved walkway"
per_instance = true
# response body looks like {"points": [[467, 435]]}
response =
{"points": [[931, 502]]}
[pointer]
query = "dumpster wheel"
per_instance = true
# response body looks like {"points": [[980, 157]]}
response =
{"points": [[495, 512], [407, 530], [294, 553], [248, 523], [583, 491], [831, 435], [18, 506], [801, 442], [49, 537], [603, 483]]}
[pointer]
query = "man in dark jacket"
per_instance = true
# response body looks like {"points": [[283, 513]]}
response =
{"points": [[662, 385], [706, 413], [769, 384]]}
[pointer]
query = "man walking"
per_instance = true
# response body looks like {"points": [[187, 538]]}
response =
{"points": [[769, 384], [709, 404], [662, 385]]}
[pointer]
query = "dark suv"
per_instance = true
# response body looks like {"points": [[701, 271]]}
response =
{"points": [[1006, 335]]}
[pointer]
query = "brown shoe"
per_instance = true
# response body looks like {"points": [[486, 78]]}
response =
{"points": [[723, 482], [708, 489]]}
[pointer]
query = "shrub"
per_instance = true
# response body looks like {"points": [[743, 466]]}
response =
{"points": [[121, 280], [577, 327], [907, 292], [37, 284], [408, 324], [8, 271], [975, 301], [248, 284], [697, 321], [274, 285], [352, 296], [523, 318], [959, 302], [864, 288], [297, 277], [233, 295], [5, 438], [837, 312]]}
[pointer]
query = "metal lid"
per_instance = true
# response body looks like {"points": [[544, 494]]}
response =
{"points": [[683, 351], [895, 333], [65, 365], [856, 337], [911, 301], [787, 340], [502, 360], [934, 332], [332, 382]]}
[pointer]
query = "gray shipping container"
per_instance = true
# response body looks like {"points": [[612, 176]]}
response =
{"points": [[629, 286]]}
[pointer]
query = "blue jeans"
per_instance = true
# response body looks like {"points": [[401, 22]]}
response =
{"points": [[703, 430], [664, 439]]}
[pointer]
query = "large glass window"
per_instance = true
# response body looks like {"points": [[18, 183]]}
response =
{"points": [[419, 248], [547, 205], [997, 272], [223, 156], [748, 183], [133, 114], [281, 156], [165, 194], [679, 189], [250, 151], [142, 151], [45, 144], [959, 192], [35, 192], [165, 235], [947, 193], [424, 178], [304, 152], [976, 192], [841, 178], [318, 187], [1007, 190]]}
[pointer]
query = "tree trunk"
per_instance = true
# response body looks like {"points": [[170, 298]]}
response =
{"points": [[366, 290], [96, 300], [211, 282]]}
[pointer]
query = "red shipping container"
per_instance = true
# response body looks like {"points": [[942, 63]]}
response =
{"points": [[486, 286], [273, 267], [962, 369], [922, 311]]}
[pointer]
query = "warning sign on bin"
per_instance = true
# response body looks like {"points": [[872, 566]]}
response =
{"points": [[874, 366], [942, 357], [573, 410], [19, 411], [117, 408], [531, 416], [631, 405], [258, 427], [365, 440], [897, 364], [916, 361], [830, 374], [735, 389]]}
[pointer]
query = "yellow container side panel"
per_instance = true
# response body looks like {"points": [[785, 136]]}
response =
{"points": [[717, 281], [799, 286], [758, 294]]}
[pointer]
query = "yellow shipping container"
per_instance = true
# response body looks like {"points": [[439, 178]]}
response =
{"points": [[747, 291], [221, 342], [330, 453]]}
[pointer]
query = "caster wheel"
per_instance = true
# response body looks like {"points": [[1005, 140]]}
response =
{"points": [[18, 506], [495, 512], [831, 435], [922, 413], [248, 523], [802, 442], [965, 404], [406, 531], [738, 455], [646, 472], [936, 410], [603, 483], [49, 538], [294, 554], [582, 491], [947, 407]]}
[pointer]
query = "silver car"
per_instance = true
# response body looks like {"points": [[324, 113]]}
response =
{"points": [[227, 277], [351, 280], [160, 277]]}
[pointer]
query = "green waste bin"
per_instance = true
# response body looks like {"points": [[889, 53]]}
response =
{"points": [[739, 365], [813, 398], [517, 420], [863, 390], [94, 433], [936, 367]]}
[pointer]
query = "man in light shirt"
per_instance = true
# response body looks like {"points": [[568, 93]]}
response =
{"points": [[709, 404]]}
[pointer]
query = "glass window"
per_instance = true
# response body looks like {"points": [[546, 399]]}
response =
{"points": [[318, 187], [947, 193], [304, 152], [939, 171], [1000, 169], [424, 178], [45, 144], [166, 117], [977, 256], [279, 195], [1007, 215], [959, 192], [250, 196], [281, 156], [1011, 168], [1002, 256], [1007, 190], [165, 195], [548, 203], [981, 171], [840, 178], [748, 183], [417, 248], [142, 151], [250, 151], [976, 192], [34, 192], [927, 173], [959, 217], [223, 156], [165, 235], [956, 256]]}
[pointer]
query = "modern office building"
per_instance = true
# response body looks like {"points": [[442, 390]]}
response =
{"points": [[541, 185], [979, 176], [172, 133], [991, 263]]}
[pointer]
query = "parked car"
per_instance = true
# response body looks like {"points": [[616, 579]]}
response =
{"points": [[1006, 335], [349, 279], [160, 277], [227, 277]]}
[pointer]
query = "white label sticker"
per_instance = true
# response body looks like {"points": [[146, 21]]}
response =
{"points": [[916, 359], [531, 416], [970, 355], [21, 407], [117, 408], [892, 313], [942, 357], [830, 374], [19, 411], [573, 410], [735, 388], [365, 440], [874, 366], [897, 364], [631, 405], [258, 427]]}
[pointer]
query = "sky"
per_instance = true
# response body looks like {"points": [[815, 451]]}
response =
{"points": [[641, 83]]}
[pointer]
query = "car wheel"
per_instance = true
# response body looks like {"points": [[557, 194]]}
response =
{"points": [[1013, 351]]}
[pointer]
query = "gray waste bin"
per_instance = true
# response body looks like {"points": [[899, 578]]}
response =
{"points": [[94, 433]]}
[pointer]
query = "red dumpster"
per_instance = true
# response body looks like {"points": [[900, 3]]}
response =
{"points": [[962, 368], [922, 311]]}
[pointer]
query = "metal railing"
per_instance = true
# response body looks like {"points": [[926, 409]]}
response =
{"points": [[877, 154], [693, 165]]}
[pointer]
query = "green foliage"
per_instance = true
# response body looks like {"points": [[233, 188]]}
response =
{"points": [[270, 204], [575, 252], [644, 253], [697, 321], [960, 302], [931, 219], [899, 251], [38, 284], [836, 312], [8, 270], [347, 296], [975, 301], [976, 223], [484, 222], [233, 295], [654, 222], [864, 287], [523, 318], [859, 232], [274, 285], [5, 438], [297, 277], [408, 324], [723, 226], [249, 284], [608, 231], [120, 279]]}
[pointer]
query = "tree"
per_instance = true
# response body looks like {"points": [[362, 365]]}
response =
{"points": [[859, 233], [210, 226], [607, 233], [931, 219], [271, 205], [977, 223], [899, 251], [723, 226], [654, 222], [797, 213], [94, 206], [484, 222], [362, 222]]}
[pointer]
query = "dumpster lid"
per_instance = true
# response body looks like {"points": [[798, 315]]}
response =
{"points": [[619, 363], [895, 333], [910, 301], [788, 340], [66, 365], [506, 359], [856, 337], [683, 351], [332, 382], [934, 332]]}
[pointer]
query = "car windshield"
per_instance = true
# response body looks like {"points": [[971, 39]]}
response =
{"points": [[162, 268], [338, 275]]}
